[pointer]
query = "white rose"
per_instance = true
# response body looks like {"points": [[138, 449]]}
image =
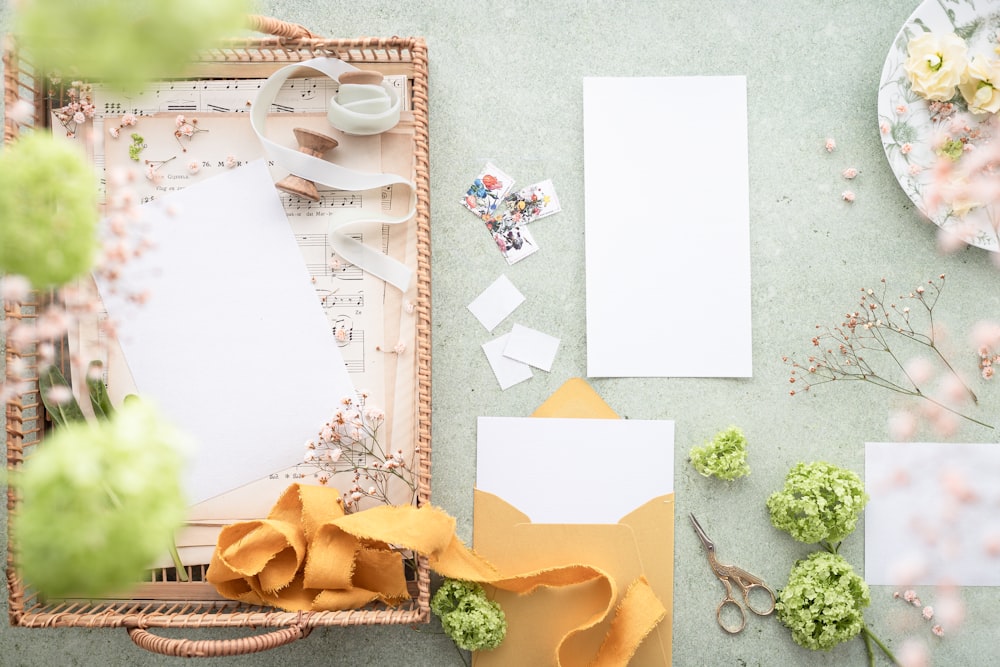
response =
{"points": [[936, 64], [979, 90]]}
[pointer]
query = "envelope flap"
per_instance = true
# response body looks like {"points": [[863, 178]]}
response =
{"points": [[575, 398]]}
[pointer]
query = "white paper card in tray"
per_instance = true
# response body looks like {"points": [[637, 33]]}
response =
{"points": [[233, 343], [667, 227]]}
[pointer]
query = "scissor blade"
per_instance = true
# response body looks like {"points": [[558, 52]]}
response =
{"points": [[701, 533]]}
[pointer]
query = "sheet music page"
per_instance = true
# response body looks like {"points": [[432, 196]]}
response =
{"points": [[363, 313]]}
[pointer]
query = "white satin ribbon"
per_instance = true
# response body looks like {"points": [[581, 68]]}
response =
{"points": [[364, 109], [335, 176]]}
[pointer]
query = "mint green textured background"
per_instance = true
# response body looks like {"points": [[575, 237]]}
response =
{"points": [[505, 86]]}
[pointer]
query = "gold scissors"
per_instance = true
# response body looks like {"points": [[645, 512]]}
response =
{"points": [[730, 575]]}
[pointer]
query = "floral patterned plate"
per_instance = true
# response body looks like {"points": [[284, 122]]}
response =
{"points": [[909, 124]]}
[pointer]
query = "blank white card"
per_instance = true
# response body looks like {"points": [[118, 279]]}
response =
{"points": [[667, 227]]}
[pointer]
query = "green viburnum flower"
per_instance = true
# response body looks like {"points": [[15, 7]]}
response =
{"points": [[724, 457], [472, 620], [820, 503], [48, 209], [123, 42], [823, 601], [100, 500]]}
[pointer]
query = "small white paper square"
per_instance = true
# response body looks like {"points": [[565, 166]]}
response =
{"points": [[496, 302], [531, 347], [508, 371]]}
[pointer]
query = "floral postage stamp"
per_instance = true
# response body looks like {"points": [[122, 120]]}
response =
{"points": [[506, 213], [531, 203], [487, 191]]}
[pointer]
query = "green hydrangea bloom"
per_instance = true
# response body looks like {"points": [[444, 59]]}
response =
{"points": [[472, 620], [724, 457], [820, 502], [123, 42], [823, 601], [48, 209], [100, 501]]}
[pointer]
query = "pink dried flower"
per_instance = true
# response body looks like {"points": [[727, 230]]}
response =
{"points": [[179, 121], [193, 166], [22, 112], [928, 612], [115, 132], [906, 148], [902, 426], [848, 196], [830, 145], [938, 630], [60, 394], [849, 173], [913, 653], [129, 120], [14, 287], [911, 595]]}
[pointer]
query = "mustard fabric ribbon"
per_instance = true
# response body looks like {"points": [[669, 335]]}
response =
{"points": [[308, 555]]}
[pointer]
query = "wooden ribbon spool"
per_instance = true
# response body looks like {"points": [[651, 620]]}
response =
{"points": [[310, 143]]}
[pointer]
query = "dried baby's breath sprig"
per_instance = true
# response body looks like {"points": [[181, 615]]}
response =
{"points": [[186, 127], [79, 107], [349, 443], [865, 346]]}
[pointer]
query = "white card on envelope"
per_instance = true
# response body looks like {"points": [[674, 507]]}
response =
{"points": [[667, 229], [555, 470]]}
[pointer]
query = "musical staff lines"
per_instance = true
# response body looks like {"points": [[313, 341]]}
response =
{"points": [[331, 299], [351, 341], [319, 258], [332, 199], [298, 95]]}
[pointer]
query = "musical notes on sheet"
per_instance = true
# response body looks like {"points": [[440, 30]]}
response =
{"points": [[300, 95], [227, 142], [351, 341], [332, 299], [328, 199], [321, 260]]}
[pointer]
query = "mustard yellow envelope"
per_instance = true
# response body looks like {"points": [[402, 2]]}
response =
{"points": [[639, 544]]}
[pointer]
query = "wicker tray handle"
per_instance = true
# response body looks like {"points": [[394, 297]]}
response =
{"points": [[277, 27], [215, 648]]}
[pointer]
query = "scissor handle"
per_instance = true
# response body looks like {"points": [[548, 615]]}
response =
{"points": [[743, 615], [749, 602]]}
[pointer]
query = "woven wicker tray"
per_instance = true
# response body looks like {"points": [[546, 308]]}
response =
{"points": [[159, 602]]}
